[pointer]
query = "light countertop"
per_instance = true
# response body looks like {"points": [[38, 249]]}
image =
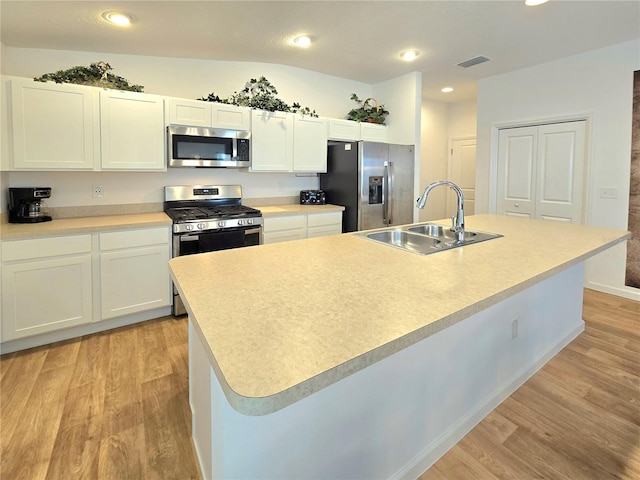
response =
{"points": [[285, 320], [101, 223], [78, 225]]}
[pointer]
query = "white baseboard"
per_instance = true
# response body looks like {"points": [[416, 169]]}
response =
{"points": [[432, 452], [81, 330], [626, 292]]}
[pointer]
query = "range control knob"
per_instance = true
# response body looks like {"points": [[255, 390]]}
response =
{"points": [[188, 226], [240, 222], [221, 224], [201, 226], [249, 221]]}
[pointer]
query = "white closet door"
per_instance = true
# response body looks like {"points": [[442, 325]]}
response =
{"points": [[560, 176], [462, 172], [541, 171], [517, 151]]}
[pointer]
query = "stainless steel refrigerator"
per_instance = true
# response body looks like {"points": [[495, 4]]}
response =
{"points": [[373, 181]]}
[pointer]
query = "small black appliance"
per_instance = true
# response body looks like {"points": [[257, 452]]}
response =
{"points": [[312, 197], [26, 204]]}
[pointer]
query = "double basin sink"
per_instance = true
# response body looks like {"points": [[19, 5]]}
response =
{"points": [[425, 238]]}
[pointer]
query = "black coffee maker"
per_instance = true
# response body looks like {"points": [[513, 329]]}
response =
{"points": [[26, 204]]}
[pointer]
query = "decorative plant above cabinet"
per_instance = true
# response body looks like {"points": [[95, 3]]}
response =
{"points": [[95, 75], [261, 95], [368, 111]]}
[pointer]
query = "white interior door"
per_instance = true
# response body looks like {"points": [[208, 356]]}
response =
{"points": [[541, 171], [560, 179], [462, 172]]}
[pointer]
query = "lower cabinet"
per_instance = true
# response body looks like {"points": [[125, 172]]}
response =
{"points": [[296, 227], [46, 285], [49, 284], [133, 272], [283, 229]]}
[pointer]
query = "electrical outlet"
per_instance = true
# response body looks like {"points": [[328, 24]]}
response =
{"points": [[514, 328], [608, 192], [98, 191]]}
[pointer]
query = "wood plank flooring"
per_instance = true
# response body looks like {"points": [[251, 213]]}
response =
{"points": [[114, 405]]}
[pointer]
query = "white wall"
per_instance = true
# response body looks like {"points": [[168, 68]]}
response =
{"points": [[191, 78], [597, 85], [441, 122]]}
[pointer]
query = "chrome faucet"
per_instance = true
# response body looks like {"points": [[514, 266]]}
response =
{"points": [[457, 222]]}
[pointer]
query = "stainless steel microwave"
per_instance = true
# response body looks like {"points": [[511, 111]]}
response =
{"points": [[207, 147]]}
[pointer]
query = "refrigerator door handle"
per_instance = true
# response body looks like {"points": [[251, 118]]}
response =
{"points": [[388, 193]]}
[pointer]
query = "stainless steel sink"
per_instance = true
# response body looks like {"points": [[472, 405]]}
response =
{"points": [[425, 238], [406, 240], [439, 231]]}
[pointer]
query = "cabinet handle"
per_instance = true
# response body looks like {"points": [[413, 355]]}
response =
{"points": [[516, 205]]}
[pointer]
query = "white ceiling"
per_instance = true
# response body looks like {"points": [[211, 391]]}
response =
{"points": [[359, 40]]}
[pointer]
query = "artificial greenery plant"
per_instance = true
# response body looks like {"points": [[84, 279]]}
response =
{"points": [[260, 94], [368, 111], [96, 75]]}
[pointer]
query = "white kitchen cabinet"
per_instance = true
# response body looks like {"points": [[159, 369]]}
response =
{"points": [[296, 227], [272, 141], [199, 113], [373, 132], [323, 224], [131, 131], [134, 271], [46, 285], [345, 130], [284, 228], [309, 144], [54, 127]]}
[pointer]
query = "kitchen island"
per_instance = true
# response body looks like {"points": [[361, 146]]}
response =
{"points": [[339, 357]]}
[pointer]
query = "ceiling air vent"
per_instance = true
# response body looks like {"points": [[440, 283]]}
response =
{"points": [[473, 61]]}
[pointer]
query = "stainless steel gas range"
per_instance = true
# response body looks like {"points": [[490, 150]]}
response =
{"points": [[207, 218]]}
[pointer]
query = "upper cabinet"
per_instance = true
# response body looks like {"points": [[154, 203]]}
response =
{"points": [[309, 144], [272, 141], [287, 142], [199, 113], [74, 127], [131, 131], [373, 132], [54, 126], [346, 130]]}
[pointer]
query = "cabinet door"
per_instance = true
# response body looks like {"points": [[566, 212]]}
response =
{"points": [[322, 224], [344, 130], [132, 131], [134, 280], [230, 117], [372, 132], [189, 112], [285, 228], [309, 144], [45, 295], [272, 141], [55, 127]]}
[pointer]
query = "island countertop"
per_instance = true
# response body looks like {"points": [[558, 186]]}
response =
{"points": [[285, 320]]}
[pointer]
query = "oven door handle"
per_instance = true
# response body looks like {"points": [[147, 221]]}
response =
{"points": [[253, 230], [189, 238]]}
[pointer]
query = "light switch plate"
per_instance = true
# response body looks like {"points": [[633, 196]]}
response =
{"points": [[608, 192]]}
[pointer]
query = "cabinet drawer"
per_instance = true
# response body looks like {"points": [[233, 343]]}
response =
{"points": [[45, 247], [134, 238], [321, 219], [285, 223], [324, 230]]}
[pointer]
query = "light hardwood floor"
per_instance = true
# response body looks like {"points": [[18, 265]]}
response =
{"points": [[114, 405]]}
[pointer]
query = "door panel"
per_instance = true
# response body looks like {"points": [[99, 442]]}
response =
{"points": [[462, 172], [517, 151], [372, 157], [561, 171], [541, 171]]}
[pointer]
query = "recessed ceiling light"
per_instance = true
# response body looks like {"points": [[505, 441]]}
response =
{"points": [[302, 41], [534, 3], [447, 90], [409, 55], [121, 19]]}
